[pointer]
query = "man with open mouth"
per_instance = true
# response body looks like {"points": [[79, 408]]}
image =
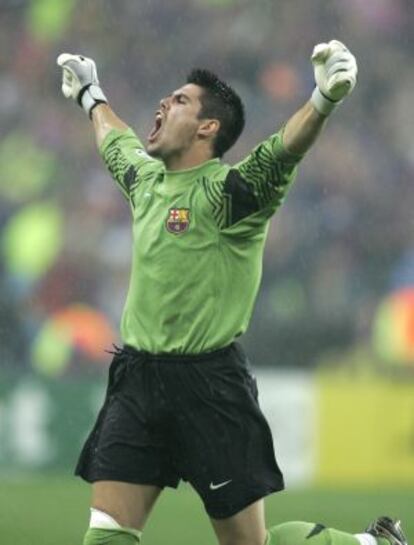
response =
{"points": [[182, 402]]}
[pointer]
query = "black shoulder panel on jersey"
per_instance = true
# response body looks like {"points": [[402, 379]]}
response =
{"points": [[243, 201], [130, 177]]}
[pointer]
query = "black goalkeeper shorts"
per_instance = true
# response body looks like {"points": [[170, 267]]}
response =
{"points": [[195, 418]]}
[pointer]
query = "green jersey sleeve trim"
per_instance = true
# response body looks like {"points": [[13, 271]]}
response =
{"points": [[125, 157], [281, 152], [112, 135]]}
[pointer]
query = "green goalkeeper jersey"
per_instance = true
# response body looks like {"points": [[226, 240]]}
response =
{"points": [[198, 240]]}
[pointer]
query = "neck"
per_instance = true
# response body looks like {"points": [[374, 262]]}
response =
{"points": [[188, 159]]}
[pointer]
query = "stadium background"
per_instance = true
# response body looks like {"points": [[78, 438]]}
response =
{"points": [[332, 338]]}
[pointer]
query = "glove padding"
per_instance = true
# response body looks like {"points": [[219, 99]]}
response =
{"points": [[335, 74], [80, 81]]}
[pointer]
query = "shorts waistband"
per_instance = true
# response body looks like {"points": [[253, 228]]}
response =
{"points": [[177, 358]]}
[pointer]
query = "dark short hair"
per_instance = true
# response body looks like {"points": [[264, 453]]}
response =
{"points": [[219, 101]]}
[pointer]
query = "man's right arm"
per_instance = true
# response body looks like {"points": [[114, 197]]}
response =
{"points": [[121, 150], [80, 82], [104, 121]]}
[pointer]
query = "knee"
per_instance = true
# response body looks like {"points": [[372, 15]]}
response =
{"points": [[106, 518], [111, 516], [99, 536], [101, 520]]}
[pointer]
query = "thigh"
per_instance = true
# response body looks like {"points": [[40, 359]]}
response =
{"points": [[245, 528], [128, 504], [125, 445], [224, 444]]}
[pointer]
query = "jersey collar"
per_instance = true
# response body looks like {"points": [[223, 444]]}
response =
{"points": [[175, 179]]}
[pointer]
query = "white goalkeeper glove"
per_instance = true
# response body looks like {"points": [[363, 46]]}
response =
{"points": [[80, 81], [335, 75]]}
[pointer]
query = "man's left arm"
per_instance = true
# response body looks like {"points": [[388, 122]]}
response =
{"points": [[257, 186], [302, 129], [335, 75]]}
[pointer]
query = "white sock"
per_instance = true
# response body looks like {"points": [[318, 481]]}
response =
{"points": [[366, 539], [99, 519]]}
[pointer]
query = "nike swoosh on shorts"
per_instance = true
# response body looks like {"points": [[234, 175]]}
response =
{"points": [[219, 485]]}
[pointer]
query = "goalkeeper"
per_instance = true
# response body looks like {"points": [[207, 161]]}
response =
{"points": [[181, 402]]}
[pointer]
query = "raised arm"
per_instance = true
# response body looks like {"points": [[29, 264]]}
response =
{"points": [[335, 75], [122, 151], [257, 186], [302, 129], [80, 82], [104, 121]]}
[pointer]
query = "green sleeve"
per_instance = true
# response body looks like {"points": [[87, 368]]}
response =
{"points": [[257, 186], [126, 160]]}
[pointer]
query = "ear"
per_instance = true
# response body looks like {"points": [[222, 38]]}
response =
{"points": [[208, 128]]}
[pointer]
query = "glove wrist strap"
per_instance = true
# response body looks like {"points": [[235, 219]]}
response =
{"points": [[323, 104], [90, 97]]}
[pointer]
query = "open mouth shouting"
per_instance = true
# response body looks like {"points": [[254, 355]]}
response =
{"points": [[154, 134]]}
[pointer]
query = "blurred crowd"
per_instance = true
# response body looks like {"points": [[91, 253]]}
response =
{"points": [[344, 238]]}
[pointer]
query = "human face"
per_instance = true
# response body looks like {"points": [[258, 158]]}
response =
{"points": [[176, 123]]}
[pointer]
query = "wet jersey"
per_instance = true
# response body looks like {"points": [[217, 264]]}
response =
{"points": [[198, 240]]}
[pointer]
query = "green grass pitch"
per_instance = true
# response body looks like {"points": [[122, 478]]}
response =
{"points": [[54, 510]]}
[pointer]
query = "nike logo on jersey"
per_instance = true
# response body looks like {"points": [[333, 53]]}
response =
{"points": [[219, 485]]}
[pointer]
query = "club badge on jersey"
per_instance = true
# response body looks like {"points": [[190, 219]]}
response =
{"points": [[178, 220]]}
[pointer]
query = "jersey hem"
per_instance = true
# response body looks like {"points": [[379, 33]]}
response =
{"points": [[168, 356]]}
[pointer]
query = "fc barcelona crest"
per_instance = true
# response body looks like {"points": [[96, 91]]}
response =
{"points": [[178, 220]]}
